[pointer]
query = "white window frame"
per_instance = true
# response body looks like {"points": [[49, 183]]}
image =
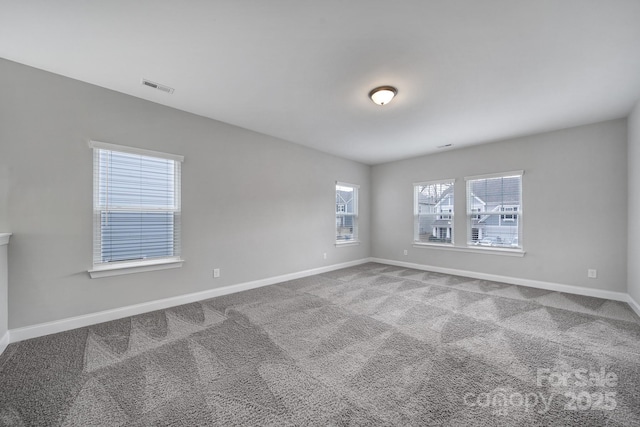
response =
{"points": [[356, 202], [438, 215], [103, 269], [473, 214]]}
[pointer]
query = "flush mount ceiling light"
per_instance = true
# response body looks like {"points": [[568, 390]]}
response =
{"points": [[383, 95]]}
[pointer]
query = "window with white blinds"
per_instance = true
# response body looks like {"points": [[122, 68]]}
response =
{"points": [[136, 205], [494, 210], [346, 213], [433, 212]]}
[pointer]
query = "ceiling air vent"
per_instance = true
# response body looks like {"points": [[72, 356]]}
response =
{"points": [[158, 86]]}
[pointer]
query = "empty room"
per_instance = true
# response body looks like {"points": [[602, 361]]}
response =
{"points": [[295, 213]]}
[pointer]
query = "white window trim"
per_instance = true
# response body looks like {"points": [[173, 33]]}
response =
{"points": [[495, 175], [451, 215], [130, 267], [135, 150], [355, 214], [346, 184], [347, 243], [517, 252], [139, 266], [500, 250], [437, 181]]}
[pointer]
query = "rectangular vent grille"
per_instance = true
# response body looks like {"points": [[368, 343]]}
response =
{"points": [[158, 86]]}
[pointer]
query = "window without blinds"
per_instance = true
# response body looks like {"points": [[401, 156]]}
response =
{"points": [[346, 213], [433, 212], [494, 211], [136, 207]]}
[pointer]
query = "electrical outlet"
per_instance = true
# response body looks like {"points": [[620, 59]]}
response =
{"points": [[592, 273], [406, 252], [216, 273], [324, 255]]}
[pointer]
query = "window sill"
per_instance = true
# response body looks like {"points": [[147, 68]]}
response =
{"points": [[348, 243], [4, 238], [120, 268], [476, 250]]}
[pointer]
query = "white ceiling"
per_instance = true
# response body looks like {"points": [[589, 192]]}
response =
{"points": [[467, 71]]}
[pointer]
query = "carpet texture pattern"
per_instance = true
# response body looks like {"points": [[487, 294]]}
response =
{"points": [[366, 345]]}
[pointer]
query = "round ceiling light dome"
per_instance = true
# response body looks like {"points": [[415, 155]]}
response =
{"points": [[383, 95]]}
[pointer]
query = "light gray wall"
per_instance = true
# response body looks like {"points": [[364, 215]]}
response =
{"points": [[4, 304], [633, 263], [574, 198], [4, 195], [253, 206], [258, 207]]}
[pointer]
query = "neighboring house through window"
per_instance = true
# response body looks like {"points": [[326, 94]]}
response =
{"points": [[489, 198], [509, 217], [433, 212], [346, 213], [136, 206]]}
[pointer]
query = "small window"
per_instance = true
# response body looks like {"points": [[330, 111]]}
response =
{"points": [[444, 210], [136, 206], [494, 210], [509, 218], [433, 212], [346, 213]]}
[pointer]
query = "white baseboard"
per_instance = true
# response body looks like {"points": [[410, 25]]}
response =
{"points": [[633, 304], [570, 289], [4, 342], [34, 331]]}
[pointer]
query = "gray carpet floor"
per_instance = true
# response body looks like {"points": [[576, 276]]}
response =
{"points": [[367, 345]]}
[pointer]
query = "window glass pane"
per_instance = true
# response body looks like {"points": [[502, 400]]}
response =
{"points": [[129, 180], [494, 206], [136, 235], [345, 227], [434, 212], [492, 194], [345, 200], [137, 207], [346, 213]]}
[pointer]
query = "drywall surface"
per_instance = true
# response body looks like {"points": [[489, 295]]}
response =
{"points": [[252, 205], [574, 203], [633, 263], [4, 326], [4, 195]]}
